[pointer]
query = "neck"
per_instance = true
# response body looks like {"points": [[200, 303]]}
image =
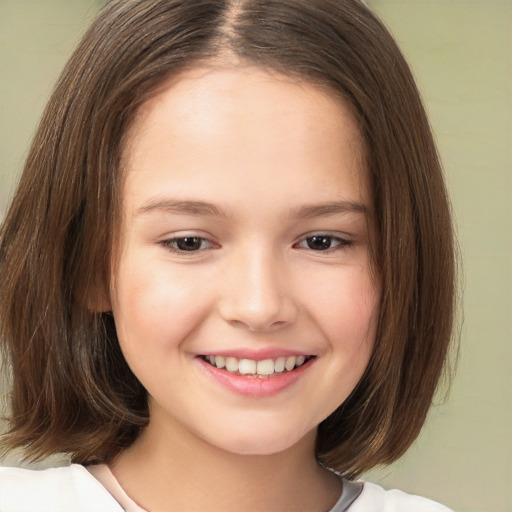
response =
{"points": [[184, 472]]}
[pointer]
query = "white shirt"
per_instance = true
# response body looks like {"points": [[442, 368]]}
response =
{"points": [[78, 489]]}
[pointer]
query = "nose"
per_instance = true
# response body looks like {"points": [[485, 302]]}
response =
{"points": [[258, 293]]}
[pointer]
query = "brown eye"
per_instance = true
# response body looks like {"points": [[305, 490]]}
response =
{"points": [[323, 242], [319, 242], [189, 243]]}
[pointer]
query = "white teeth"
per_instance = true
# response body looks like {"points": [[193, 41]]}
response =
{"points": [[279, 364], [231, 364], [290, 363], [264, 367], [247, 367]]}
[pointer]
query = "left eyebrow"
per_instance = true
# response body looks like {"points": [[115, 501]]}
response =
{"points": [[331, 208], [181, 207]]}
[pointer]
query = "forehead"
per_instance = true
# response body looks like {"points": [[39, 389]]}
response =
{"points": [[216, 124]]}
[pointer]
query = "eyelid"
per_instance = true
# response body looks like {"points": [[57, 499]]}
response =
{"points": [[344, 240], [169, 243]]}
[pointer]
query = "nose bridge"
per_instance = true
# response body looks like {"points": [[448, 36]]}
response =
{"points": [[258, 295]]}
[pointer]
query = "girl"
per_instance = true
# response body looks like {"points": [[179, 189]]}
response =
{"points": [[227, 273]]}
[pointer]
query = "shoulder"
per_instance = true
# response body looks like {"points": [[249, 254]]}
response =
{"points": [[66, 489], [375, 498]]}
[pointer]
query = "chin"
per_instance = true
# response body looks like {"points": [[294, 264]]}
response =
{"points": [[263, 442]]}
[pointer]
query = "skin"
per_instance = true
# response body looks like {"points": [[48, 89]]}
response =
{"points": [[278, 162]]}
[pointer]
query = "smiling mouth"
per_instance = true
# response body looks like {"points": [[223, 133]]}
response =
{"points": [[251, 368]]}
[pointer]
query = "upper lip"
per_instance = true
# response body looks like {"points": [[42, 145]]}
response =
{"points": [[258, 354]]}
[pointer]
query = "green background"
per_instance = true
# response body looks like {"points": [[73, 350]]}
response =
{"points": [[461, 53]]}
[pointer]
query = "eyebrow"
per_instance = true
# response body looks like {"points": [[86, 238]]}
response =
{"points": [[204, 208], [330, 208], [182, 207]]}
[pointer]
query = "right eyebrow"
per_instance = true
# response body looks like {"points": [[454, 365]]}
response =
{"points": [[330, 208], [181, 207]]}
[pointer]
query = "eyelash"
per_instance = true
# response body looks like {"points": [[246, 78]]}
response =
{"points": [[172, 244], [340, 242]]}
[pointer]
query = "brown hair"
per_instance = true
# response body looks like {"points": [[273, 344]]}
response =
{"points": [[72, 391]]}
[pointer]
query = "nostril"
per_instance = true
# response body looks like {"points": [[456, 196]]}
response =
{"points": [[272, 325]]}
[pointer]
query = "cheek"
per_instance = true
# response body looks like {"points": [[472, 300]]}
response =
{"points": [[346, 304], [152, 305], [343, 310]]}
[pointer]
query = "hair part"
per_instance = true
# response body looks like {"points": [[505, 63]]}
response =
{"points": [[72, 390]]}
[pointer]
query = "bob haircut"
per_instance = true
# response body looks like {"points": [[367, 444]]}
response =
{"points": [[72, 390]]}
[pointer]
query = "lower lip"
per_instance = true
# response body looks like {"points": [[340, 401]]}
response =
{"points": [[256, 386]]}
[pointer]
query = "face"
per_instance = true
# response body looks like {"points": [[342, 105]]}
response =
{"points": [[243, 297]]}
